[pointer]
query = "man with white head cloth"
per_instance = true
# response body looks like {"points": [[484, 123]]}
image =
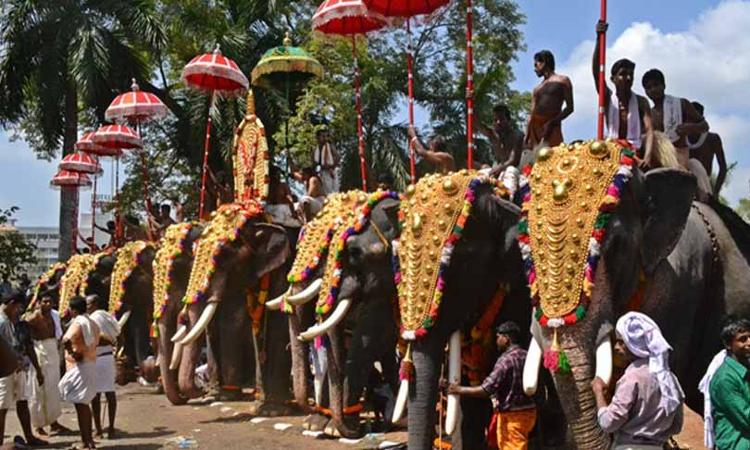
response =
{"points": [[646, 408]]}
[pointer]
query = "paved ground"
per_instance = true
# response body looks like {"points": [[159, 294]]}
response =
{"points": [[147, 422]]}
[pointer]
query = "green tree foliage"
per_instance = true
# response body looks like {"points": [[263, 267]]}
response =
{"points": [[16, 253]]}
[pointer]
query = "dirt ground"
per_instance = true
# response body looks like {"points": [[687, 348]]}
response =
{"points": [[147, 421]]}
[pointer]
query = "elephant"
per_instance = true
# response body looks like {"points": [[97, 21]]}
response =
{"points": [[366, 284], [661, 253], [236, 250], [171, 267], [131, 300], [48, 282]]}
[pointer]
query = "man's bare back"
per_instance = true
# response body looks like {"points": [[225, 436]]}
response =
{"points": [[712, 146], [42, 326]]}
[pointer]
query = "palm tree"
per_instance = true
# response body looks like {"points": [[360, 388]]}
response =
{"points": [[60, 56]]}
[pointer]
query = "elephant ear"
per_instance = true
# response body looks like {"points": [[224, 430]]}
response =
{"points": [[391, 208], [269, 243], [505, 219], [669, 194]]}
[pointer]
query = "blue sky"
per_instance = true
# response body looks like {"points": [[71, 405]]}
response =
{"points": [[702, 46]]}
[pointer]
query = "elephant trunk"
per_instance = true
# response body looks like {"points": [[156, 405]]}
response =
{"points": [[427, 357], [168, 376], [190, 358], [577, 397], [300, 361]]}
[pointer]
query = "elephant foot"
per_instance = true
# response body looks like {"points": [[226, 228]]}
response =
{"points": [[230, 395], [348, 428], [270, 409], [315, 422], [331, 430]]}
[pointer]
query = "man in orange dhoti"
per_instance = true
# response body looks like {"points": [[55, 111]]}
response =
{"points": [[547, 112]]}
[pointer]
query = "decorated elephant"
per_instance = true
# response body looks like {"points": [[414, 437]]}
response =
{"points": [[360, 273], [234, 270], [171, 267], [85, 274], [48, 282], [599, 238], [131, 300]]}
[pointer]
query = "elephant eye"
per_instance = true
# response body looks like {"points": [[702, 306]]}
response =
{"points": [[355, 253]]}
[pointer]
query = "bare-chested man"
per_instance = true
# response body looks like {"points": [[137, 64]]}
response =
{"points": [[673, 116], [506, 140], [703, 147], [622, 106], [45, 399], [436, 155], [547, 112]]}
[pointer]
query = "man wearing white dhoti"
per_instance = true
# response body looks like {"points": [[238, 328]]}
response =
{"points": [[78, 385], [45, 398], [13, 388], [105, 362]]}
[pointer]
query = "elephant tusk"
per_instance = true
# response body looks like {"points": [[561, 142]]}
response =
{"points": [[604, 360], [124, 319], [531, 368], [401, 398], [306, 295], [454, 377], [275, 304], [316, 330], [202, 323], [174, 364], [180, 334]]}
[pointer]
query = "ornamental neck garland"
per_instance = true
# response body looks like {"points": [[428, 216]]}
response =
{"points": [[43, 280], [329, 290], [74, 281], [316, 236], [568, 198], [224, 228], [171, 246], [432, 219], [127, 261]]}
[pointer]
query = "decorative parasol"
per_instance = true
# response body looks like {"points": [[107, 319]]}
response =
{"points": [[349, 17], [213, 72], [87, 145], [407, 9], [283, 66], [117, 137], [71, 181], [137, 106], [80, 162]]}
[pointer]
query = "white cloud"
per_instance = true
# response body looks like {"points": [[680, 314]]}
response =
{"points": [[706, 62]]}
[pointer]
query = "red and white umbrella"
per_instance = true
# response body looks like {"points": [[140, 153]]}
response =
{"points": [[87, 145], [407, 9], [213, 72], [117, 137], [80, 162], [70, 179], [349, 17], [135, 106]]}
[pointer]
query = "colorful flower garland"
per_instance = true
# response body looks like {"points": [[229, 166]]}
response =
{"points": [[554, 358], [171, 247], [128, 259], [447, 251], [223, 229], [478, 344], [73, 281], [256, 305], [326, 302], [245, 168]]}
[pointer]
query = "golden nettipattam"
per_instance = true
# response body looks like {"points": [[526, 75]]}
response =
{"points": [[127, 261]]}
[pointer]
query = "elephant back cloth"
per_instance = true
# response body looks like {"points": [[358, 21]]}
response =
{"points": [[350, 224], [250, 158], [171, 246], [432, 218], [223, 229], [316, 236], [53, 273], [568, 196], [128, 260], [74, 281]]}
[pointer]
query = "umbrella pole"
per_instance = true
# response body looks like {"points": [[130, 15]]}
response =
{"points": [[410, 90], [286, 125], [144, 177], [118, 219], [602, 60], [93, 207], [362, 167], [469, 88], [205, 156], [74, 223]]}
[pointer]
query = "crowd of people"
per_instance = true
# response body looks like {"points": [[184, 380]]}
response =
{"points": [[37, 383]]}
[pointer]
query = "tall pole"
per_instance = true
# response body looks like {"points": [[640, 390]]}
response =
{"points": [[362, 167], [470, 89], [144, 177], [93, 205], [602, 60], [118, 219], [410, 90], [205, 156]]}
